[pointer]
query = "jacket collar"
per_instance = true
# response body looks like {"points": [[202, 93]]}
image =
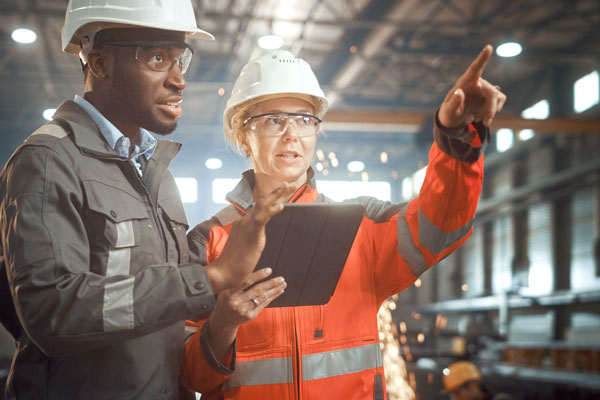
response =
{"points": [[86, 134], [242, 195], [89, 139]]}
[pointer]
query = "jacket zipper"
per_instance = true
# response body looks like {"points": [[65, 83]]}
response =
{"points": [[154, 213], [298, 356]]}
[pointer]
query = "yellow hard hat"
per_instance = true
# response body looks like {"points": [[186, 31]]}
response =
{"points": [[459, 373]]}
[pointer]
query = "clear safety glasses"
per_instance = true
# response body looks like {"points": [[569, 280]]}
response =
{"points": [[275, 124], [159, 56]]}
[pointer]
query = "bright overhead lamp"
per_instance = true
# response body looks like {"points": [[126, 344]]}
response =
{"points": [[356, 166], [213, 163], [48, 113], [23, 35], [509, 49], [270, 42]]}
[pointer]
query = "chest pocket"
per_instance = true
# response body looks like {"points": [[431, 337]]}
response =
{"points": [[113, 219], [176, 222], [258, 334]]}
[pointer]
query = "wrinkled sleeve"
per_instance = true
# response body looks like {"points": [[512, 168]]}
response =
{"points": [[416, 235], [61, 304], [202, 371]]}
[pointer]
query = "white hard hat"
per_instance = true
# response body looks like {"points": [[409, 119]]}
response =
{"points": [[86, 17], [276, 74]]}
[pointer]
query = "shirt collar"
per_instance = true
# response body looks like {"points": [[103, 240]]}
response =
{"points": [[145, 144]]}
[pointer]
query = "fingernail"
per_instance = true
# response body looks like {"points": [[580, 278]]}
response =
{"points": [[280, 279], [456, 92], [268, 271]]}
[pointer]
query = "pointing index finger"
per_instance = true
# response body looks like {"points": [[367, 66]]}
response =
{"points": [[475, 70]]}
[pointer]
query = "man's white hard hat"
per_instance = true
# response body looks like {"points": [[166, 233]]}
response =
{"points": [[86, 17]]}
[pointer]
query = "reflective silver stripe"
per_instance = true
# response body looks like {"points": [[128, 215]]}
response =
{"points": [[118, 305], [407, 248], [118, 296], [125, 237], [341, 362], [189, 331], [119, 257], [430, 236], [261, 372], [51, 130], [435, 240]]}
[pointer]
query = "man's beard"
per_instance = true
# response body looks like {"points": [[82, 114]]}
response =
{"points": [[122, 91]]}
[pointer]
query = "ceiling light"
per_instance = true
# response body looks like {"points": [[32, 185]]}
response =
{"points": [[383, 157], [509, 49], [48, 113], [356, 166], [23, 35], [270, 42], [213, 163]]}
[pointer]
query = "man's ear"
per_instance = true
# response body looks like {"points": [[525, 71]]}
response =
{"points": [[99, 63]]}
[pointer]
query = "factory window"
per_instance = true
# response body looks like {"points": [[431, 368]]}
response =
{"points": [[336, 190], [502, 255], [340, 190], [583, 269], [585, 92], [540, 110], [188, 189], [220, 188], [473, 271], [539, 250], [504, 139], [411, 185]]}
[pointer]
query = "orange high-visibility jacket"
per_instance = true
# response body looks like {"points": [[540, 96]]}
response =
{"points": [[332, 351]]}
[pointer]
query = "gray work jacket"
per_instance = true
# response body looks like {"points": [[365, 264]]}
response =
{"points": [[98, 267]]}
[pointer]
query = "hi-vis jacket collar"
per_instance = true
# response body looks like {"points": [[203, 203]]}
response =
{"points": [[242, 195]]}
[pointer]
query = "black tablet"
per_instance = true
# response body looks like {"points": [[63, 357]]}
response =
{"points": [[308, 245]]}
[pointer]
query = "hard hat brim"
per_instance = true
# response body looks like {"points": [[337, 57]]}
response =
{"points": [[74, 47]]}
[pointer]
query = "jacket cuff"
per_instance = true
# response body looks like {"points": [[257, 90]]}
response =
{"points": [[214, 363], [464, 143], [200, 298]]}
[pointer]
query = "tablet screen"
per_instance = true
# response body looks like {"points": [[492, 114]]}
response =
{"points": [[308, 245]]}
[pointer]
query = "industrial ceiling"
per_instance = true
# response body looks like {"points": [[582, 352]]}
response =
{"points": [[385, 66]]}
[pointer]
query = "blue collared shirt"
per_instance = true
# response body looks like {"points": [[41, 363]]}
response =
{"points": [[145, 143]]}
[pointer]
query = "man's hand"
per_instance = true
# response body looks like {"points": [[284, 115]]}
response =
{"points": [[472, 98], [245, 243]]}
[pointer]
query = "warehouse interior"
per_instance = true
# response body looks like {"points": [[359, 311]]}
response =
{"points": [[521, 298]]}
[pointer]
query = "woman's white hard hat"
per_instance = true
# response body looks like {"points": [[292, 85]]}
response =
{"points": [[275, 74], [86, 17]]}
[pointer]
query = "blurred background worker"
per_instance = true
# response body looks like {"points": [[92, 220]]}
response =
{"points": [[463, 381]]}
